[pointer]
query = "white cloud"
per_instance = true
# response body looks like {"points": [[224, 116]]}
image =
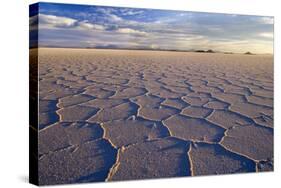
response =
{"points": [[87, 25], [154, 46], [108, 13], [266, 35], [267, 20], [131, 12], [56, 21], [170, 32], [33, 20], [51, 21], [113, 17], [33, 23], [131, 31]]}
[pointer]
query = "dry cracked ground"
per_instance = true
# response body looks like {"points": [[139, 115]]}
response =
{"points": [[110, 115]]}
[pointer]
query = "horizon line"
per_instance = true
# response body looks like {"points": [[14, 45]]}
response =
{"points": [[209, 51]]}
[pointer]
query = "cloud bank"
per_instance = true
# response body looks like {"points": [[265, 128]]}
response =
{"points": [[94, 26]]}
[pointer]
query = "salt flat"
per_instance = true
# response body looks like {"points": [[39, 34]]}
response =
{"points": [[109, 115]]}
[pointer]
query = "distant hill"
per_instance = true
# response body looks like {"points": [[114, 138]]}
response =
{"points": [[205, 51], [249, 53]]}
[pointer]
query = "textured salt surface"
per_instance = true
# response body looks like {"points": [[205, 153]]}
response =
{"points": [[108, 115]]}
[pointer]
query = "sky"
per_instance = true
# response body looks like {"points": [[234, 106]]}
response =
{"points": [[83, 26]]}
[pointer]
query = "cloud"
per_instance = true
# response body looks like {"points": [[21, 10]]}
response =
{"points": [[154, 46], [147, 28], [89, 26], [33, 23], [113, 17], [51, 21], [131, 12], [109, 14], [33, 20], [266, 35], [267, 20], [131, 31], [56, 21]]}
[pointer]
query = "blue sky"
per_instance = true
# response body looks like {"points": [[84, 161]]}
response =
{"points": [[65, 25]]}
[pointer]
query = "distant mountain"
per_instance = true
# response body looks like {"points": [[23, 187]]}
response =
{"points": [[249, 53], [205, 51]]}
